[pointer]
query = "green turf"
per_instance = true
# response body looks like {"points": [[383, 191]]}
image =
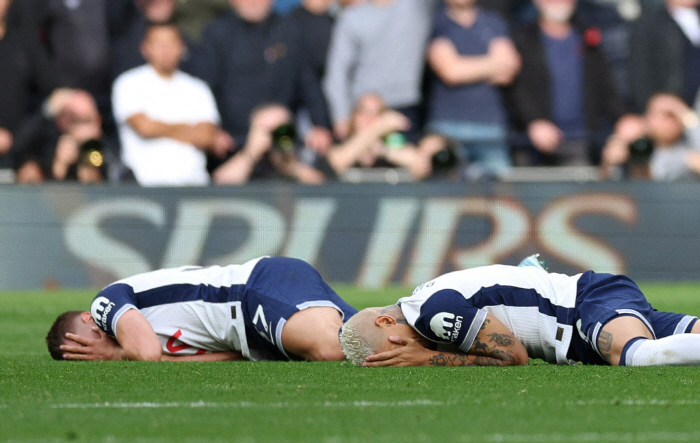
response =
{"points": [[43, 400]]}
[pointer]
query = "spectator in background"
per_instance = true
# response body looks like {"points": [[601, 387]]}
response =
{"points": [[192, 16], [666, 148], [77, 38], [49, 145], [471, 55], [375, 140], [270, 151], [126, 47], [378, 46], [565, 95], [252, 56], [24, 72], [315, 24], [665, 52], [166, 118]]}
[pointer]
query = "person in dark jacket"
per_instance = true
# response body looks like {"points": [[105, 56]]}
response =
{"points": [[565, 96], [665, 52], [252, 56]]}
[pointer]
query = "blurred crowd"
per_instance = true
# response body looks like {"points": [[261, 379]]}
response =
{"points": [[198, 92]]}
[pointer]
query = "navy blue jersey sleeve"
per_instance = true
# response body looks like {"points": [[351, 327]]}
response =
{"points": [[110, 304], [447, 317]]}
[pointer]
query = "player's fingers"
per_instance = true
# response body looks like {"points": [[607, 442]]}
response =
{"points": [[77, 338], [71, 356], [372, 364], [400, 340], [382, 356], [73, 349]]}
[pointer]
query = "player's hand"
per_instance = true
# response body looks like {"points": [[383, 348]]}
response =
{"points": [[409, 352], [103, 348]]}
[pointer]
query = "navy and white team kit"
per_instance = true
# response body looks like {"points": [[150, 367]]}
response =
{"points": [[557, 317], [241, 308]]}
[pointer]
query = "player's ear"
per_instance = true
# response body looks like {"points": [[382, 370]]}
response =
{"points": [[384, 321], [86, 317]]}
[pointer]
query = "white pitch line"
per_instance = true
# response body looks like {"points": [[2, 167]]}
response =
{"points": [[665, 436], [630, 402], [245, 404]]}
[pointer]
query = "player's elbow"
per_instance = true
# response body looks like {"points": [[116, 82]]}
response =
{"points": [[146, 353], [520, 357]]}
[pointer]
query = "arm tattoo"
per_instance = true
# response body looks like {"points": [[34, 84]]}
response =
{"points": [[605, 344], [458, 359], [501, 339]]}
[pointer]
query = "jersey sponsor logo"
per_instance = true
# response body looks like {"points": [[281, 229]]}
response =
{"points": [[100, 309], [446, 325], [175, 348]]}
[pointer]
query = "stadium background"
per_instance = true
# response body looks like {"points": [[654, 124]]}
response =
{"points": [[367, 235]]}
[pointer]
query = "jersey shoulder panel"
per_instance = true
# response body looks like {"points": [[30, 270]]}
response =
{"points": [[444, 316], [110, 304]]}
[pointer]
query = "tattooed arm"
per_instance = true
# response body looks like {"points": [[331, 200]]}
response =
{"points": [[495, 345]]}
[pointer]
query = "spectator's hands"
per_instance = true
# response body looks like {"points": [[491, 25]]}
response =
{"points": [[545, 135], [307, 175], [630, 127], [615, 152], [319, 139], [506, 61], [103, 348], [408, 353], [67, 153], [6, 141], [223, 144], [341, 129], [390, 121], [693, 161]]}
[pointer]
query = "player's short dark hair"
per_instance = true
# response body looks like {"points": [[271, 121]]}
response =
{"points": [[57, 333]]}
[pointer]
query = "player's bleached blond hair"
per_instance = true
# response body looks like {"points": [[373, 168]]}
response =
{"points": [[360, 337]]}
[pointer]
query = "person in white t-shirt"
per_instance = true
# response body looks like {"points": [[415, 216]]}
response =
{"points": [[167, 119]]}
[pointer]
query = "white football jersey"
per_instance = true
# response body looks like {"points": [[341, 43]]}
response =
{"points": [[190, 308], [538, 307]]}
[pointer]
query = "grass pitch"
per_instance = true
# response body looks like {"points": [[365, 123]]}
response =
{"points": [[43, 400]]}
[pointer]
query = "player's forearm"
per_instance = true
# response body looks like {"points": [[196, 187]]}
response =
{"points": [[438, 358], [214, 356]]}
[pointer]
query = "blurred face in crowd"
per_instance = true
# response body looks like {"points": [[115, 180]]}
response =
{"points": [[369, 108], [252, 10], [157, 11], [556, 11], [317, 6], [663, 125], [683, 3], [460, 4], [82, 119], [270, 117], [4, 7], [163, 48]]}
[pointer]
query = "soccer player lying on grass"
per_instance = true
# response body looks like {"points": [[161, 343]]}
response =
{"points": [[266, 309], [503, 315]]}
